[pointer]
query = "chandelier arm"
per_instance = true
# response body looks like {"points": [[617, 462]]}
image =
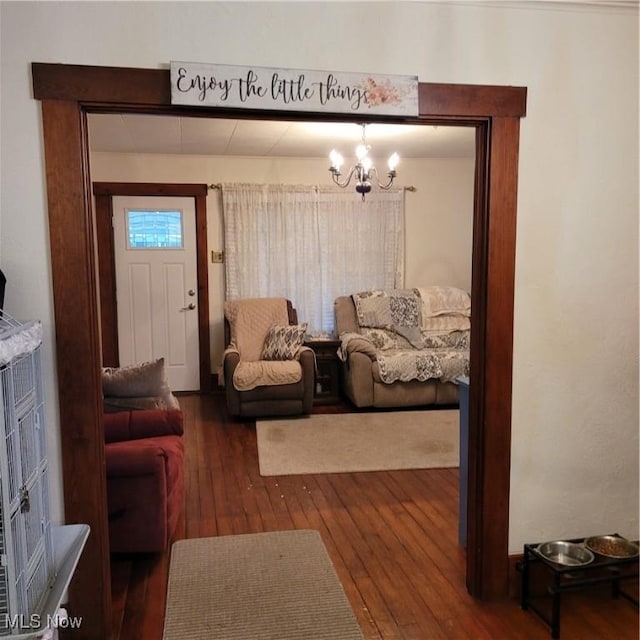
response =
{"points": [[335, 175], [384, 187]]}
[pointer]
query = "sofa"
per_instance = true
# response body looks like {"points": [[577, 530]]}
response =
{"points": [[144, 455], [403, 347]]}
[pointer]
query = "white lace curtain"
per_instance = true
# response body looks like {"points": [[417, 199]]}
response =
{"points": [[311, 244]]}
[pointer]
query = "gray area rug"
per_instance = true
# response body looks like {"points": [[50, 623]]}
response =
{"points": [[262, 586], [341, 443]]}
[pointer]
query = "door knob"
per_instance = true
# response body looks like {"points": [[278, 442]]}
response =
{"points": [[189, 307], [191, 292]]}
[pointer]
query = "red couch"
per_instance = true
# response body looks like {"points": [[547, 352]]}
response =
{"points": [[145, 478]]}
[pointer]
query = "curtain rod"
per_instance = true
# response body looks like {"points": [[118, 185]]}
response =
{"points": [[218, 186]]}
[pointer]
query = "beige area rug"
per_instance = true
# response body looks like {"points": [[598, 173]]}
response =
{"points": [[341, 443], [262, 586]]}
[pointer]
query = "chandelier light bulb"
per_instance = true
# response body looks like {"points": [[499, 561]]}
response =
{"points": [[393, 161], [336, 160], [367, 163], [361, 152]]}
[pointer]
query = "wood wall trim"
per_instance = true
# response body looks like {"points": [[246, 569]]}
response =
{"points": [[68, 92], [107, 286], [202, 267], [104, 193], [179, 189], [469, 100], [151, 88], [492, 358], [84, 83], [477, 390], [77, 348]]}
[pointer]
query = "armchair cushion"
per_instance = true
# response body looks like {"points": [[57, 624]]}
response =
{"points": [[283, 341], [249, 375]]}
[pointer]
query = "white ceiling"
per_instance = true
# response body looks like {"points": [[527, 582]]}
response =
{"points": [[135, 133]]}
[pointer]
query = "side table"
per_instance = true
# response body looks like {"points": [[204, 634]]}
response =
{"points": [[327, 370]]}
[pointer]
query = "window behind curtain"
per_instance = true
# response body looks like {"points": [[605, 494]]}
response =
{"points": [[311, 245]]}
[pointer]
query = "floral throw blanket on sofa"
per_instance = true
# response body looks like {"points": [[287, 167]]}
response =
{"points": [[396, 310], [416, 334]]}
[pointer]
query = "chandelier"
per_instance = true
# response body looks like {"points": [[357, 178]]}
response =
{"points": [[363, 170]]}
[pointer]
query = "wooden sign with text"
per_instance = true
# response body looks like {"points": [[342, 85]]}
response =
{"points": [[211, 85]]}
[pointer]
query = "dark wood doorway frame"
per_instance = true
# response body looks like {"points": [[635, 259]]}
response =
{"points": [[67, 94], [104, 192]]}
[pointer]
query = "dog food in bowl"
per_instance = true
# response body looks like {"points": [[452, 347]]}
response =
{"points": [[612, 546]]}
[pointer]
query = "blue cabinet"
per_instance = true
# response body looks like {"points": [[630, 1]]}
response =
{"points": [[463, 384]]}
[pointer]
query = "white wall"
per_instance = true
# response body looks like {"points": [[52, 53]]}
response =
{"points": [[438, 214], [575, 384]]}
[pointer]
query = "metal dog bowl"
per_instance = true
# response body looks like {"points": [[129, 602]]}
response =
{"points": [[565, 553], [612, 546]]}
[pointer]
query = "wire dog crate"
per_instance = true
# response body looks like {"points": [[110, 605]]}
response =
{"points": [[27, 563]]}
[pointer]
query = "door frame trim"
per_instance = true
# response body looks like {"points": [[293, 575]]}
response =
{"points": [[104, 192], [67, 94]]}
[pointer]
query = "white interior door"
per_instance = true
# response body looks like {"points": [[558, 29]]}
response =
{"points": [[156, 284]]}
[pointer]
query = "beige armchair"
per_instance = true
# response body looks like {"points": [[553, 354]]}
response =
{"points": [[267, 370]]}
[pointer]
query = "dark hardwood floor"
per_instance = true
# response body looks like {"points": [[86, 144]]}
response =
{"points": [[392, 536]]}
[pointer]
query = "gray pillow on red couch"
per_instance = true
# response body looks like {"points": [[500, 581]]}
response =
{"points": [[138, 386]]}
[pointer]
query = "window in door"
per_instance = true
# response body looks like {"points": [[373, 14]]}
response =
{"points": [[147, 229]]}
